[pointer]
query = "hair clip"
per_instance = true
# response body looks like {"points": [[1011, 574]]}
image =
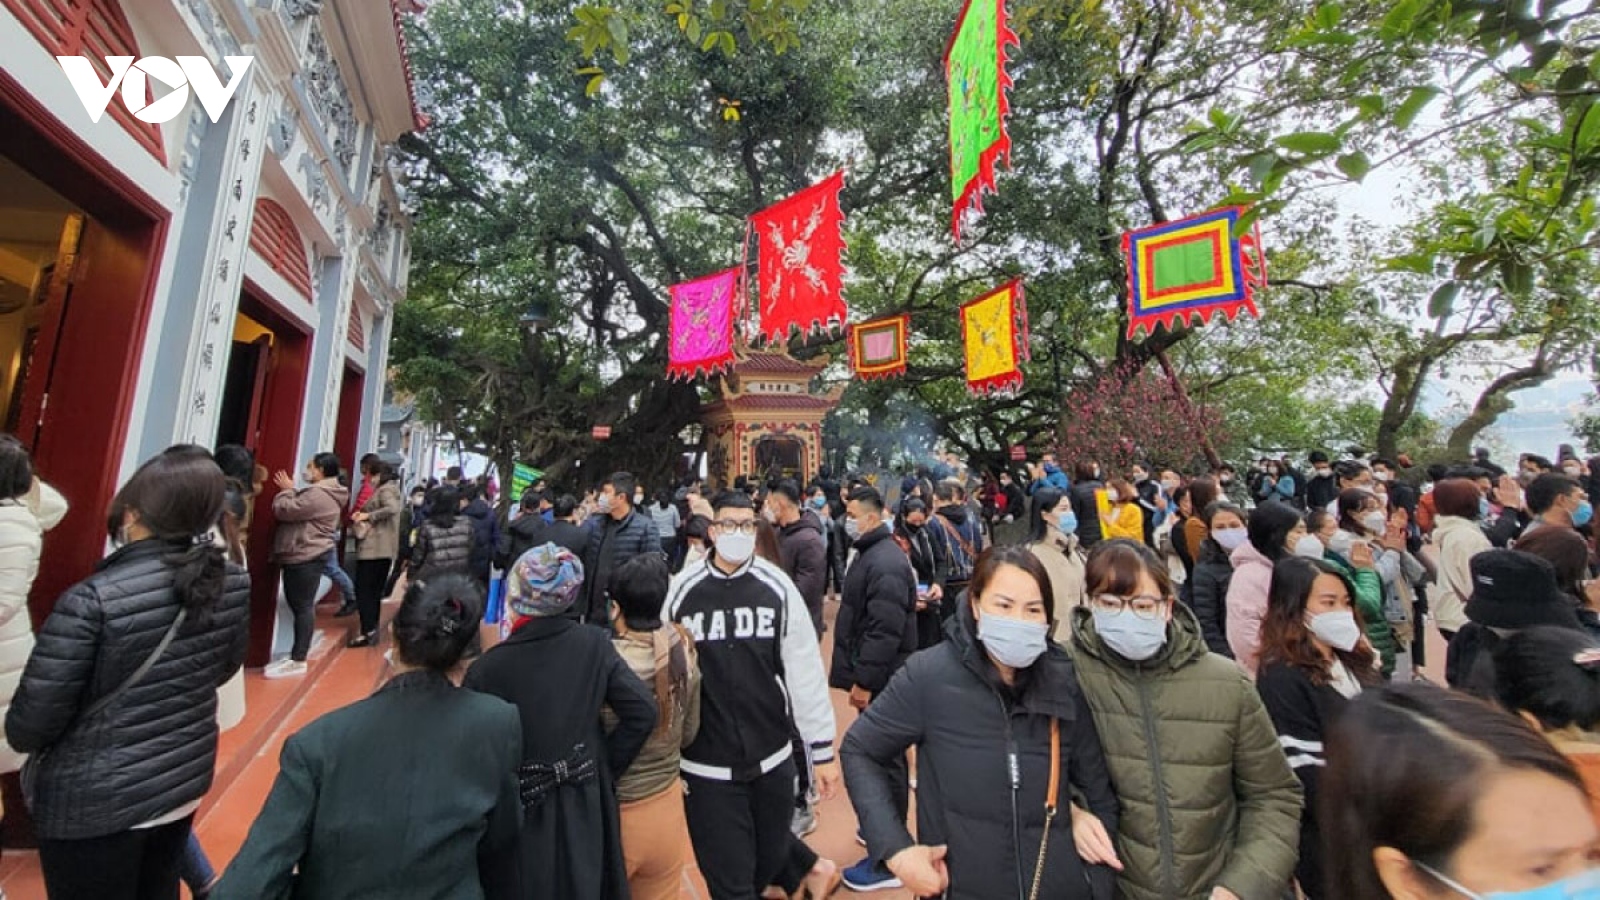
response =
{"points": [[201, 539], [1588, 659], [449, 627]]}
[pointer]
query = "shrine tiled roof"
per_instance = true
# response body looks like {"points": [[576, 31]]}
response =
{"points": [[776, 364], [784, 402]]}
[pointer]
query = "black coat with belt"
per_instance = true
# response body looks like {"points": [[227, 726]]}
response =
{"points": [[559, 674], [411, 792], [983, 769]]}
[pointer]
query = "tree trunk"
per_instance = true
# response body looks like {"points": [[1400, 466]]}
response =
{"points": [[1495, 401], [1410, 374]]}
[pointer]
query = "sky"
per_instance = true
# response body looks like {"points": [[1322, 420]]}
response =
{"points": [[1539, 421]]}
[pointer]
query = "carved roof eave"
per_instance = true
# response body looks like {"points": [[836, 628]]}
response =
{"points": [[382, 85]]}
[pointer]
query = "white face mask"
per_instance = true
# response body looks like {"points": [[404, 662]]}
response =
{"points": [[736, 547], [1111, 495], [1229, 539], [1382, 476], [1375, 522], [1341, 543], [1170, 485], [602, 503], [769, 515], [1309, 547], [1336, 629], [1574, 471]]}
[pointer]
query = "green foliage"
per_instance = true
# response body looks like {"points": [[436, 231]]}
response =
{"points": [[589, 157], [1587, 427]]}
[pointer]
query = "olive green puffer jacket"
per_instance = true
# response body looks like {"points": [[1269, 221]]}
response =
{"points": [[1228, 810]]}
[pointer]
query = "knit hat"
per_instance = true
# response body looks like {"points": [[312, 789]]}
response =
{"points": [[544, 582], [1513, 589]]}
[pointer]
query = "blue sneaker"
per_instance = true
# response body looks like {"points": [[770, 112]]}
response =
{"points": [[867, 876]]}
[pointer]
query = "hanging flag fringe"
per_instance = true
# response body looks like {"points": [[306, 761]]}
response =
{"points": [[1194, 268]]}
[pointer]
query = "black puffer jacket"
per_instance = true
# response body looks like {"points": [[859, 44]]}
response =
{"points": [[612, 543], [950, 703], [876, 629], [154, 749], [442, 551], [1207, 594]]}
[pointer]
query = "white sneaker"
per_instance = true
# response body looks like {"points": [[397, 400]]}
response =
{"points": [[284, 668]]}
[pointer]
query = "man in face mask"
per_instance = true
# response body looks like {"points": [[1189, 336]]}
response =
{"points": [[1559, 501], [758, 660], [873, 634], [801, 547], [619, 533]]}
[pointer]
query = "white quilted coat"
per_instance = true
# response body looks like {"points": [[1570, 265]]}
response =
{"points": [[23, 523]]}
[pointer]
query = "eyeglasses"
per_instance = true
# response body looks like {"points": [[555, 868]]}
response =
{"points": [[1145, 606], [746, 526]]}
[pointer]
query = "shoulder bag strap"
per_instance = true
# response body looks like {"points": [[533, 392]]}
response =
{"points": [[138, 675], [1051, 796], [966, 547]]}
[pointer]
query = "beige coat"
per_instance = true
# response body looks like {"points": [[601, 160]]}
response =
{"points": [[1457, 540], [23, 523], [383, 510], [1064, 561]]}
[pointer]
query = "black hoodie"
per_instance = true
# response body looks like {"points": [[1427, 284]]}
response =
{"points": [[804, 556]]}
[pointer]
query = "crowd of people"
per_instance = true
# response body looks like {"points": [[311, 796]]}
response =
{"points": [[1144, 683]]}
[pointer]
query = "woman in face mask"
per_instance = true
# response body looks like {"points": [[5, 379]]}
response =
{"points": [[1207, 589], [1053, 538], [1273, 532], [1314, 659], [1372, 556], [1121, 516], [1004, 739], [1430, 794], [1209, 806]]}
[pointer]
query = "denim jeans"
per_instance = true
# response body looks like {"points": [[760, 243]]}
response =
{"points": [[339, 576], [195, 869]]}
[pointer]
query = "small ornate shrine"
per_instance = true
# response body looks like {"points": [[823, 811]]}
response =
{"points": [[768, 419]]}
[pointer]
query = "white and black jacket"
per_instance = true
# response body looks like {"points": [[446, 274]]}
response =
{"points": [[1302, 712], [760, 669]]}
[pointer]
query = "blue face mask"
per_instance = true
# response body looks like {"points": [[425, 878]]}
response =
{"points": [[1483, 507], [1068, 523], [1132, 637], [819, 502], [1583, 514], [1051, 468], [1583, 886]]}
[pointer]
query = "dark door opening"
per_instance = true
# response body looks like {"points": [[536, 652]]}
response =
{"points": [[781, 456], [348, 430], [262, 404]]}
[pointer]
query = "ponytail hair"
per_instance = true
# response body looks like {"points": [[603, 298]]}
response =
{"points": [[437, 621], [178, 496]]}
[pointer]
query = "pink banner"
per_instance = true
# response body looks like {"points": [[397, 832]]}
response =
{"points": [[700, 340]]}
